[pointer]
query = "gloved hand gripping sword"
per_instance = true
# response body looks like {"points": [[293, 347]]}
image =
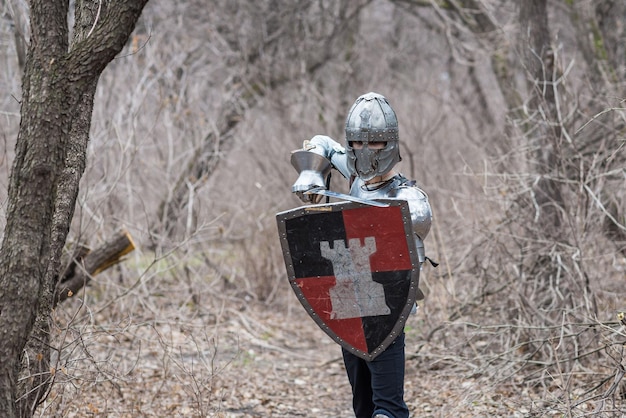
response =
{"points": [[314, 170]]}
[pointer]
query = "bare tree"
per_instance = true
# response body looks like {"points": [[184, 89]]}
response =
{"points": [[59, 83], [276, 43], [559, 165]]}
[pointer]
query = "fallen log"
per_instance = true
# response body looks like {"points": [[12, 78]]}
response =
{"points": [[85, 264]]}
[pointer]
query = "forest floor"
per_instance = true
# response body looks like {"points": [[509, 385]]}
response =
{"points": [[249, 360], [299, 373]]}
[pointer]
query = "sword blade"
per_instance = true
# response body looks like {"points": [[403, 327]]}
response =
{"points": [[324, 192]]}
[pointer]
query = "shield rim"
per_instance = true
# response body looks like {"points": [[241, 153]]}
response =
{"points": [[282, 217]]}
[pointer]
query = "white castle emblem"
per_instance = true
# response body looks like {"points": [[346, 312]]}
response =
{"points": [[355, 294]]}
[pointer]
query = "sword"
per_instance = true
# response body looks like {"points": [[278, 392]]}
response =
{"points": [[323, 192]]}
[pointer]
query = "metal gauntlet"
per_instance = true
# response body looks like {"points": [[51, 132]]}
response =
{"points": [[313, 169]]}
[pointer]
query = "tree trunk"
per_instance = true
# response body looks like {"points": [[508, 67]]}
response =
{"points": [[58, 87], [539, 60]]}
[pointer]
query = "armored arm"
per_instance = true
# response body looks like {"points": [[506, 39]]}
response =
{"points": [[421, 214], [313, 163], [331, 150]]}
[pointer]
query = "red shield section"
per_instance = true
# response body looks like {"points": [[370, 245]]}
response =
{"points": [[354, 268]]}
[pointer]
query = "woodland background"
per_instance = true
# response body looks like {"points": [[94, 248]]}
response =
{"points": [[511, 118]]}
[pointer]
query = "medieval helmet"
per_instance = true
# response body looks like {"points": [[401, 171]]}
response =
{"points": [[371, 119]]}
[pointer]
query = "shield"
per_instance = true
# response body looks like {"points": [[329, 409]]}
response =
{"points": [[354, 268]]}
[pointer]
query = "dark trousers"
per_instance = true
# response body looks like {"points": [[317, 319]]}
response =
{"points": [[378, 385]]}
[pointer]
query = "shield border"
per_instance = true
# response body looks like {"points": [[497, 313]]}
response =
{"points": [[282, 217]]}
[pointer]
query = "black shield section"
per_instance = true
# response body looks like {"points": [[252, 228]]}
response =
{"points": [[304, 235], [397, 285]]}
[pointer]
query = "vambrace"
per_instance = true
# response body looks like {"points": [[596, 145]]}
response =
{"points": [[330, 149]]}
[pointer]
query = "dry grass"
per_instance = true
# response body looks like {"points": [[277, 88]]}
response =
{"points": [[199, 347]]}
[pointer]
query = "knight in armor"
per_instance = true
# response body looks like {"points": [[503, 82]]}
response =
{"points": [[368, 160]]}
